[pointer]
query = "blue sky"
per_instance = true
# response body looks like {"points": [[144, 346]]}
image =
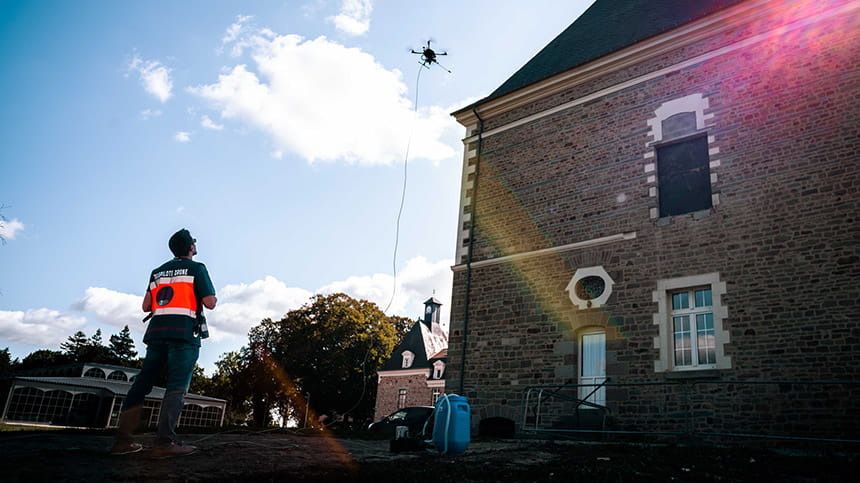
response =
{"points": [[275, 132]]}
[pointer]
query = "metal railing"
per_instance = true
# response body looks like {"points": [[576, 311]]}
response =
{"points": [[695, 409]]}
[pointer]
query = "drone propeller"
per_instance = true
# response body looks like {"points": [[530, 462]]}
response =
{"points": [[428, 56]]}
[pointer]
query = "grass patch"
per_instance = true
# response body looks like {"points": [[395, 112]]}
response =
{"points": [[25, 427]]}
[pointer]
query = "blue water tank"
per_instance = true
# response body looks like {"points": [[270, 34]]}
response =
{"points": [[451, 433]]}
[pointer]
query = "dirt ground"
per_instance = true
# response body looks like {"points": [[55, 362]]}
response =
{"points": [[285, 456]]}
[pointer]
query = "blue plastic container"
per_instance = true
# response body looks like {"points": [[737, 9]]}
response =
{"points": [[451, 432]]}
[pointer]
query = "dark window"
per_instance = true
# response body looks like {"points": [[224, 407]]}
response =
{"points": [[589, 288], [95, 372], [684, 176], [401, 398], [117, 376]]}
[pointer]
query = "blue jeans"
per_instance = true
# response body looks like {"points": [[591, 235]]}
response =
{"points": [[180, 357]]}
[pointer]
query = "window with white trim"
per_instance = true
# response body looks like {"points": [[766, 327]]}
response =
{"points": [[590, 287], [438, 369], [691, 316], [678, 159], [408, 358], [693, 328], [401, 398]]}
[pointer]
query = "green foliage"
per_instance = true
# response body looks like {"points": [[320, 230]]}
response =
{"points": [[200, 384], [7, 365], [75, 344], [82, 349], [329, 351], [44, 358], [121, 347], [96, 339], [231, 382]]}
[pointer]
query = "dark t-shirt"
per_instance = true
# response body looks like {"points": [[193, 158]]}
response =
{"points": [[179, 327]]}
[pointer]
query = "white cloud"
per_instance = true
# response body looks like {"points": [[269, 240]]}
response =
{"points": [[416, 282], [182, 136], [112, 308], [354, 17], [235, 29], [39, 327], [9, 229], [234, 35], [243, 306], [209, 124], [326, 102], [154, 76], [147, 114], [240, 306]]}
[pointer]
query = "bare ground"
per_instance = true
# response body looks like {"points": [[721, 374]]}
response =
{"points": [[270, 456]]}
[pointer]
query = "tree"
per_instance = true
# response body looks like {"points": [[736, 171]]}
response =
{"points": [[200, 384], [83, 349], [44, 358], [121, 347], [96, 339], [7, 365], [231, 381], [75, 345], [329, 349]]}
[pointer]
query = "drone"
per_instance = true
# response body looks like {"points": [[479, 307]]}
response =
{"points": [[428, 57]]}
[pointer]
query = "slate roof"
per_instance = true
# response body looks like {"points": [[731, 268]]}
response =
{"points": [[607, 26], [421, 341]]}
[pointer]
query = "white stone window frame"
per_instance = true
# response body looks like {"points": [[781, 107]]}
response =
{"points": [[584, 272], [408, 359], [664, 342], [697, 104]]}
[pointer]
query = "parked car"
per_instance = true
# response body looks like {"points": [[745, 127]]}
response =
{"points": [[413, 417]]}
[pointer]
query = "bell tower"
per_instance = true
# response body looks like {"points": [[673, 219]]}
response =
{"points": [[431, 312]]}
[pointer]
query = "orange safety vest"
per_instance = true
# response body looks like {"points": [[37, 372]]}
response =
{"points": [[173, 296]]}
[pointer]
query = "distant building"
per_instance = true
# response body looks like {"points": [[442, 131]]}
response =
{"points": [[91, 395], [414, 375], [666, 197]]}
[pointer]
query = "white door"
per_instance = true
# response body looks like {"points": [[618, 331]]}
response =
{"points": [[592, 366]]}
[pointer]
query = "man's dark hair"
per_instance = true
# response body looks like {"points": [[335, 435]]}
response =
{"points": [[181, 242]]}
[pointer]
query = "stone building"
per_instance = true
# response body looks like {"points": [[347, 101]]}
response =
{"points": [[414, 375], [664, 200]]}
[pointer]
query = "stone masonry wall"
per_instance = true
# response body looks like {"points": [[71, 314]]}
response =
{"points": [[417, 393], [784, 116]]}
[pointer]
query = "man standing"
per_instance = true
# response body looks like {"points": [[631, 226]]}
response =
{"points": [[177, 292]]}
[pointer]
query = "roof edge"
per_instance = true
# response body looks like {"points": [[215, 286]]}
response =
{"points": [[635, 52]]}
